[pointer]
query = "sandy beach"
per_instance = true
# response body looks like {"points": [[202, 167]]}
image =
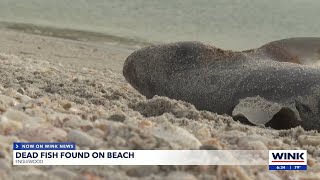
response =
{"points": [[59, 50], [54, 89]]}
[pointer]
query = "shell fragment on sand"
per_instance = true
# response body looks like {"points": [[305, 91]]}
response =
{"points": [[265, 87]]}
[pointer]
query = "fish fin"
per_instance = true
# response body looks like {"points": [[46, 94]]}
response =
{"points": [[259, 111]]}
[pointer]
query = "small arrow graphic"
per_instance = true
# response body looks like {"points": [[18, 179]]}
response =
{"points": [[17, 146]]}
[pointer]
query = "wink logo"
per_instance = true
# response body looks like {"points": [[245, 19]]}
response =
{"points": [[287, 160], [288, 157]]}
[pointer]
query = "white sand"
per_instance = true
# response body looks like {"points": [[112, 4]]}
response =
{"points": [[61, 90]]}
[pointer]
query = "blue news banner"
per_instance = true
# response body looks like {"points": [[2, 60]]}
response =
{"points": [[287, 167], [44, 146]]}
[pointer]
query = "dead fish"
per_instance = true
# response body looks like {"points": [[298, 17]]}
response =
{"points": [[252, 86]]}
